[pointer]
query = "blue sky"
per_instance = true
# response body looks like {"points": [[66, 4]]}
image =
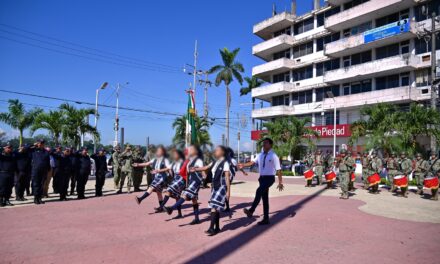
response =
{"points": [[161, 32]]}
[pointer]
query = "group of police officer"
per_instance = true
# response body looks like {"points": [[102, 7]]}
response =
{"points": [[35, 166], [345, 165]]}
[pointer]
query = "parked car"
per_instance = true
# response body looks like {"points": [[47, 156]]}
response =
{"points": [[286, 165]]}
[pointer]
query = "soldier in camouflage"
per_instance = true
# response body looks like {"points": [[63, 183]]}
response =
{"points": [[405, 168], [352, 161], [365, 172], [138, 172], [318, 165], [392, 166], [116, 164], [375, 166], [127, 169], [421, 167], [434, 170], [345, 166]]}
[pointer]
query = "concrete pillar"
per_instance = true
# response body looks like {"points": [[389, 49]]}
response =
{"points": [[293, 7], [316, 4]]}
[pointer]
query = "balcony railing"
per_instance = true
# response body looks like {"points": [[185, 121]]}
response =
{"points": [[266, 49], [266, 28]]}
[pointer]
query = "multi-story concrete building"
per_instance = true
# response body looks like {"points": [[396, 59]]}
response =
{"points": [[363, 51]]}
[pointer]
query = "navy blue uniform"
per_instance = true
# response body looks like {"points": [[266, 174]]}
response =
{"points": [[8, 167], [101, 171], [62, 174], [74, 160], [40, 167], [23, 175], [84, 169]]}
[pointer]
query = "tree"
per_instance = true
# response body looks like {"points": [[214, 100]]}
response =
{"points": [[18, 118], [290, 135], [53, 121], [77, 124], [226, 73], [203, 138]]}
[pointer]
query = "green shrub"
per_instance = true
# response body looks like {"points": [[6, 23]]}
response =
{"points": [[287, 173]]}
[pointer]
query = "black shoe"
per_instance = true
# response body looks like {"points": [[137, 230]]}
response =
{"points": [[138, 200], [20, 199], [72, 192], [41, 201], [159, 210], [2, 202], [248, 212], [36, 201], [211, 232], [8, 203], [179, 216], [169, 210], [119, 192], [264, 222], [195, 222]]}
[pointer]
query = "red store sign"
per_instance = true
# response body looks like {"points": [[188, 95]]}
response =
{"points": [[323, 131]]}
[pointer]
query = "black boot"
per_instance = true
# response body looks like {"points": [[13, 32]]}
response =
{"points": [[217, 223], [2, 202], [36, 200], [8, 203], [41, 201], [211, 231]]}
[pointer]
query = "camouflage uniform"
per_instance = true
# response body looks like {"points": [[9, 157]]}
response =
{"points": [[116, 164], [375, 166], [127, 169], [365, 171], [351, 160], [434, 170], [392, 170], [318, 165], [405, 168], [345, 167], [138, 172], [308, 160], [420, 169]]}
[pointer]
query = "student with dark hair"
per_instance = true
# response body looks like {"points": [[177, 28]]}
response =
{"points": [[178, 183], [195, 180], [269, 165], [160, 165]]}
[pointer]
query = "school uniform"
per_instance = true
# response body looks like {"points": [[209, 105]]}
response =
{"points": [[219, 188], [160, 179], [178, 184], [268, 164], [232, 168], [195, 179]]}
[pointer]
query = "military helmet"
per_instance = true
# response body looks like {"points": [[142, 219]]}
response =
{"points": [[343, 151], [419, 155], [373, 152], [402, 153]]}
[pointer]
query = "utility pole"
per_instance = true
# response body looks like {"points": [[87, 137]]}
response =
{"points": [[223, 139], [207, 83], [195, 69], [122, 136], [433, 73], [117, 116]]}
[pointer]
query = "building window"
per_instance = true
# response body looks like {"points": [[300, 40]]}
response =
{"points": [[327, 39], [282, 54], [303, 26], [334, 89], [303, 73], [302, 50], [287, 31], [404, 47], [404, 79], [319, 94], [357, 29], [304, 97], [422, 77], [322, 16], [354, 3], [280, 100], [329, 65], [404, 14], [387, 82], [329, 118], [357, 58], [387, 51], [423, 47], [282, 77], [346, 87], [419, 15]]}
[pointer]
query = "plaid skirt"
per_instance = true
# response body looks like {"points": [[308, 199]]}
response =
{"points": [[159, 182], [218, 198], [176, 187], [192, 190]]}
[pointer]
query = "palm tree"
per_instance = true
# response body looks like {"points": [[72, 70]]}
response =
{"points": [[203, 138], [226, 73], [290, 135], [18, 118], [77, 124], [53, 121]]}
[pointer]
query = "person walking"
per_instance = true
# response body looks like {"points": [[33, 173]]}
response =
{"points": [[8, 167], [404, 168], [269, 166], [318, 166], [137, 172], [345, 166]]}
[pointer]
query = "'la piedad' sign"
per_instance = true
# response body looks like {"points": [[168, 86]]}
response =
{"points": [[328, 131]]}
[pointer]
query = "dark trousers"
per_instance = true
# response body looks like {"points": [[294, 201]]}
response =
{"points": [[81, 181], [73, 176], [263, 192], [100, 181], [38, 179], [20, 183], [6, 184], [61, 180]]}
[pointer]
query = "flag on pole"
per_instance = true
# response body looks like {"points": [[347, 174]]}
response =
{"points": [[191, 133]]}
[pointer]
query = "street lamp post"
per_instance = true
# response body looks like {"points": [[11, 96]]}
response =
{"points": [[331, 95], [96, 112]]}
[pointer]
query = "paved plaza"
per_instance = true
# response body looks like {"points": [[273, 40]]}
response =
{"points": [[308, 226]]}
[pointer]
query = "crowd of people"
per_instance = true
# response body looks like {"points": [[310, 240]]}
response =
{"points": [[397, 171], [183, 173]]}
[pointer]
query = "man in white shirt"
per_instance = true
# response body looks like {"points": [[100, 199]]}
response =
{"points": [[269, 165]]}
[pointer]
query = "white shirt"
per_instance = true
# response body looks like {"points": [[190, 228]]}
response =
{"points": [[197, 164], [159, 161], [217, 163], [268, 163]]}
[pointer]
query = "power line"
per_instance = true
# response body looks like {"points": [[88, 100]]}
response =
{"points": [[85, 47]]}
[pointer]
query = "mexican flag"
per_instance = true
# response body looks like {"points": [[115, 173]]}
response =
{"points": [[191, 132]]}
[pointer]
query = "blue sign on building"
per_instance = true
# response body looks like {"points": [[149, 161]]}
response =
{"points": [[386, 31]]}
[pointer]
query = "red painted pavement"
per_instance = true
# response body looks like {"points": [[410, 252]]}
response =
{"points": [[305, 229]]}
